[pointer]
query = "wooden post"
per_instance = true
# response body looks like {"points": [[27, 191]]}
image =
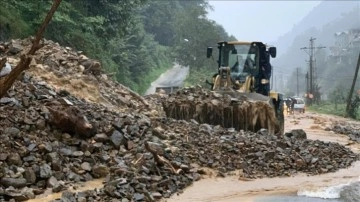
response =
{"points": [[7, 82], [352, 88]]}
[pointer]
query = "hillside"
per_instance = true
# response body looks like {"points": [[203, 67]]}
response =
{"points": [[285, 64], [135, 40], [322, 14]]}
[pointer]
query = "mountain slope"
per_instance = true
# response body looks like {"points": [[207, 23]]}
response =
{"points": [[322, 14]]}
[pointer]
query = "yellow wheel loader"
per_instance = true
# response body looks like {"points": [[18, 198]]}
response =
{"points": [[240, 94]]}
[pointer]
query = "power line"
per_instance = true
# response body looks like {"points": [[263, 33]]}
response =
{"points": [[310, 51]]}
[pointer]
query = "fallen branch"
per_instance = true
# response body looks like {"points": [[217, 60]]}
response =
{"points": [[2, 63], [139, 161], [134, 94], [161, 160], [25, 60]]}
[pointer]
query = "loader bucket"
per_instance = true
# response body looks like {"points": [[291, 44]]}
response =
{"points": [[230, 109]]}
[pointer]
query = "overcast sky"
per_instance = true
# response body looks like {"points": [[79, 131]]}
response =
{"points": [[259, 20]]}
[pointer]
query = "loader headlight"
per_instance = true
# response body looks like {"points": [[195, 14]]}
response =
{"points": [[264, 81]]}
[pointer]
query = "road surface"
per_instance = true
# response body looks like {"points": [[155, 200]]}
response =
{"points": [[172, 77]]}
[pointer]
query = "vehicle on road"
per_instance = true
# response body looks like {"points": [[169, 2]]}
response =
{"points": [[299, 105], [166, 89]]}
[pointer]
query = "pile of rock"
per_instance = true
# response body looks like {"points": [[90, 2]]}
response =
{"points": [[346, 129], [190, 147], [52, 139], [72, 71]]}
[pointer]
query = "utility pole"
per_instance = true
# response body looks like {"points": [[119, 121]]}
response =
{"points": [[297, 81], [310, 51], [307, 84], [352, 87]]}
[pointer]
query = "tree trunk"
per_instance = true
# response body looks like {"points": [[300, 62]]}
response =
{"points": [[7, 82]]}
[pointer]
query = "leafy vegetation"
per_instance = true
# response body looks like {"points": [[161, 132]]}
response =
{"points": [[136, 40], [328, 108]]}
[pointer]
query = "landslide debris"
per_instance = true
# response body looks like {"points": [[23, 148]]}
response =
{"points": [[53, 137], [226, 109], [65, 69], [352, 131]]}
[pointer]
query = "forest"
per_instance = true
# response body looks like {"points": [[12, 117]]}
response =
{"points": [[135, 40]]}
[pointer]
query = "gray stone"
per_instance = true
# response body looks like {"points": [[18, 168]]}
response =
{"points": [[29, 158], [52, 157], [66, 151], [20, 195], [45, 171], [3, 156], [31, 147], [14, 159], [30, 175], [68, 196], [99, 171], [138, 197], [157, 147], [15, 182], [156, 195], [86, 166], [15, 48], [77, 153], [101, 137], [52, 182], [11, 131], [297, 134], [117, 139]]}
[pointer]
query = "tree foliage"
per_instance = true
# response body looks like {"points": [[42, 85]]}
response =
{"points": [[132, 38]]}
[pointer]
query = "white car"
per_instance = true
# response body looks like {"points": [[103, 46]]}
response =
{"points": [[299, 105]]}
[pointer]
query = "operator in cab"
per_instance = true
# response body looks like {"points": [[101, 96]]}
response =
{"points": [[265, 74], [236, 68]]}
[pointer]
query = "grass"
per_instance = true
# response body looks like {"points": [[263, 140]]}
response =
{"points": [[328, 108], [198, 77]]}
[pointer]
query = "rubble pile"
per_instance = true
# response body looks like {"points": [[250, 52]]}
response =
{"points": [[347, 129], [53, 138], [190, 147], [72, 71]]}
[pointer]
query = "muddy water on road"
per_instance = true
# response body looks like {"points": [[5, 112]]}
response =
{"points": [[48, 196], [231, 189]]}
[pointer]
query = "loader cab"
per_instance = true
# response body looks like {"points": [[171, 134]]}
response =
{"points": [[246, 60], [241, 57]]}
